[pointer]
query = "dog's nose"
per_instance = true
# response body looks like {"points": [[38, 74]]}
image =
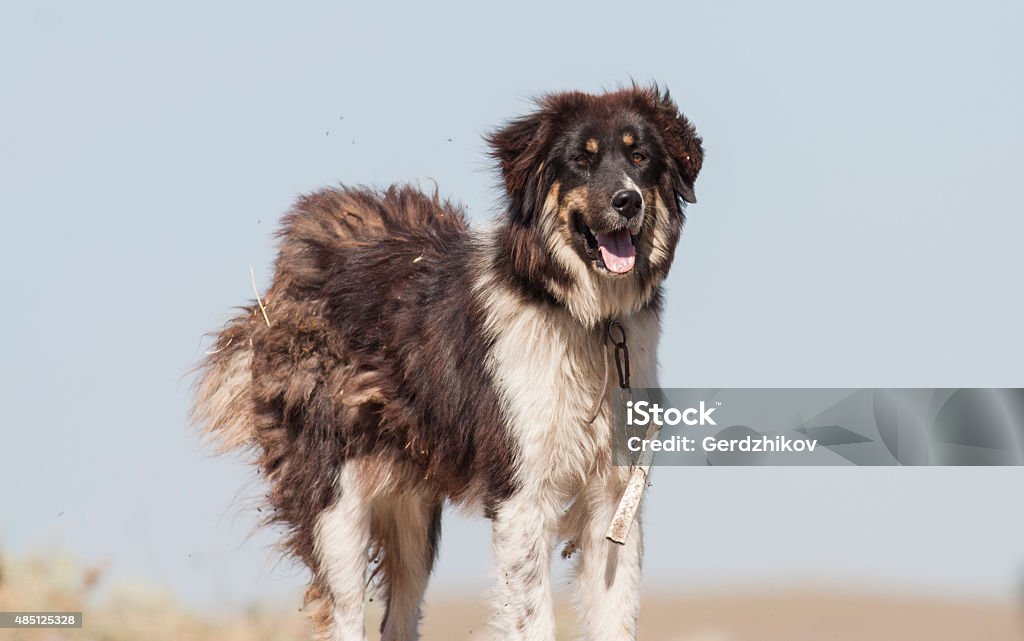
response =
{"points": [[627, 202]]}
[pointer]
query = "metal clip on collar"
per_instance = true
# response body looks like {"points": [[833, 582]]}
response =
{"points": [[621, 351]]}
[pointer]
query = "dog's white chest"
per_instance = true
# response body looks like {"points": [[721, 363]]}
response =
{"points": [[549, 371]]}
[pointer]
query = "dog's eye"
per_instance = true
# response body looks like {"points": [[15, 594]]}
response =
{"points": [[638, 157], [581, 160]]}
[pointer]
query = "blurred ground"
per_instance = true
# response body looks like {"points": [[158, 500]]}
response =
{"points": [[139, 612], [796, 615]]}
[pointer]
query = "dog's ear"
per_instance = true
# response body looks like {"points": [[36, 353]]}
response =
{"points": [[682, 143], [518, 148]]}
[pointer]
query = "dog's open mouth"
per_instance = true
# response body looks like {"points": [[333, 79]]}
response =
{"points": [[615, 250]]}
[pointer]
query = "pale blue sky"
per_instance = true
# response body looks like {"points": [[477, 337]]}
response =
{"points": [[859, 224]]}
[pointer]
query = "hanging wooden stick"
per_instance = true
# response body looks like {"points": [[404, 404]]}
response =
{"points": [[629, 504]]}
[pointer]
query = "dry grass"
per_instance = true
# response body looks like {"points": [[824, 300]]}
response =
{"points": [[128, 612]]}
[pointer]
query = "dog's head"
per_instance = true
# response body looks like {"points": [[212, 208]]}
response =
{"points": [[596, 186]]}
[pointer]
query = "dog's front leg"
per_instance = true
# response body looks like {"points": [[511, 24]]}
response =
{"points": [[607, 574], [523, 532]]}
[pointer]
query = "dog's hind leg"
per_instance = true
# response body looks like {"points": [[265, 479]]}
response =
{"points": [[607, 574], [342, 548], [406, 528]]}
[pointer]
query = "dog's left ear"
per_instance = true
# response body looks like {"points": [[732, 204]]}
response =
{"points": [[683, 144], [518, 148]]}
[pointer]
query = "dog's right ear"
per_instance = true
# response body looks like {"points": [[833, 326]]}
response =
{"points": [[519, 149]]}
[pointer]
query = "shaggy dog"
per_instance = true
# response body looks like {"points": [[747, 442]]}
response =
{"points": [[401, 360]]}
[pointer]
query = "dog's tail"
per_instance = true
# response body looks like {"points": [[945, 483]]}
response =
{"points": [[222, 404], [316, 237], [323, 227]]}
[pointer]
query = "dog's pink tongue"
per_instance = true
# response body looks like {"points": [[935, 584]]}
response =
{"points": [[617, 251]]}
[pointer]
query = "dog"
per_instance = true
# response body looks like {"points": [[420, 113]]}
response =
{"points": [[401, 361]]}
